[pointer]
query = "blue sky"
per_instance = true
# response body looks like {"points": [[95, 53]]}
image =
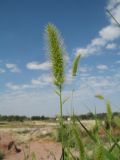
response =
{"points": [[25, 78]]}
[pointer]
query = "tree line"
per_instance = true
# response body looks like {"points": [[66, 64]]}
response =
{"points": [[87, 116]]}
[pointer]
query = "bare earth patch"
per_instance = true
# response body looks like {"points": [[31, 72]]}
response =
{"points": [[43, 149]]}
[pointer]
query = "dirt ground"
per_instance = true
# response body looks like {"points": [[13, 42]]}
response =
{"points": [[43, 149]]}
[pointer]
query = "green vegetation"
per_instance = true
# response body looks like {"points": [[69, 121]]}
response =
{"points": [[100, 150], [12, 118], [88, 116], [1, 155]]}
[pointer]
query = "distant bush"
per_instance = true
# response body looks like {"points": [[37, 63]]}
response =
{"points": [[13, 118], [39, 118]]}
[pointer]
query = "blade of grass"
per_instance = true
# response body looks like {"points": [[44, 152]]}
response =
{"points": [[87, 131]]}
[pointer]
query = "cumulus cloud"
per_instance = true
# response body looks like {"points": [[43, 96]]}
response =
{"points": [[13, 86], [85, 89], [13, 68], [110, 33], [44, 79], [102, 67], [114, 7], [38, 66], [106, 35], [101, 84]]}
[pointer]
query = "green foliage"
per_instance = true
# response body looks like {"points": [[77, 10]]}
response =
{"points": [[99, 152], [35, 118], [117, 121], [79, 142], [75, 65], [34, 156], [11, 118], [109, 112], [68, 137], [1, 155], [56, 51]]}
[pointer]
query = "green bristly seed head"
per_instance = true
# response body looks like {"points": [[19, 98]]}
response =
{"points": [[75, 65], [109, 111], [99, 152], [55, 49]]}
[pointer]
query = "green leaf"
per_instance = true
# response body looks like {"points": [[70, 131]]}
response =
{"points": [[108, 155], [87, 131], [66, 99], [57, 92], [79, 142], [34, 156], [117, 120]]}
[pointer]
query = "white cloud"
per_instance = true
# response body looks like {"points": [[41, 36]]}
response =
{"points": [[102, 67], [101, 84], [13, 68], [13, 86], [112, 3], [29, 103], [38, 66], [110, 33], [114, 7], [111, 46], [85, 89], [106, 35], [2, 71], [44, 79], [98, 42]]}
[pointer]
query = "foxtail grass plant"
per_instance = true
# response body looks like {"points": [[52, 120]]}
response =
{"points": [[56, 53]]}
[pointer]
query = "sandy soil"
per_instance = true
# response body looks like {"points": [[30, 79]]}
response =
{"points": [[43, 149]]}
